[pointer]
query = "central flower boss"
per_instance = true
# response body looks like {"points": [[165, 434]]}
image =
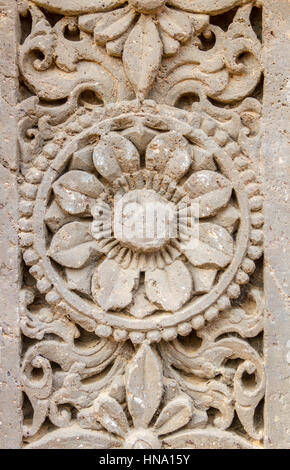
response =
{"points": [[147, 266]]}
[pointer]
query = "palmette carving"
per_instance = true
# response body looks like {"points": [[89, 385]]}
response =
{"points": [[130, 397], [90, 141], [78, 356], [220, 344], [229, 70]]}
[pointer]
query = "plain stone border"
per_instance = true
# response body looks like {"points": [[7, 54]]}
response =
{"points": [[274, 163], [276, 166], [10, 392]]}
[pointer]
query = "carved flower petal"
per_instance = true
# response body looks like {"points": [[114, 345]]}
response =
{"points": [[111, 415], [72, 246], [227, 217], [170, 287], [204, 6], [203, 159], [115, 47], [75, 437], [87, 22], [170, 45], [55, 217], [142, 54], [210, 190], [206, 439], [112, 286], [144, 386], [169, 154], [75, 7], [175, 415], [141, 307], [80, 279], [176, 24], [213, 249], [82, 159], [76, 190], [112, 25], [115, 154], [203, 279]]}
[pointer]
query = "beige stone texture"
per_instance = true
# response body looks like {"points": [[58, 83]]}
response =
{"points": [[275, 154], [144, 174], [10, 273]]}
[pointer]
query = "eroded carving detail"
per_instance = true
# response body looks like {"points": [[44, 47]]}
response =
{"points": [[129, 415], [88, 139]]}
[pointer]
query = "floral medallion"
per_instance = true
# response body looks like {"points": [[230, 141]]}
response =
{"points": [[144, 286]]}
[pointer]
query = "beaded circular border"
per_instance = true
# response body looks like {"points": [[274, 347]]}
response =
{"points": [[192, 316]]}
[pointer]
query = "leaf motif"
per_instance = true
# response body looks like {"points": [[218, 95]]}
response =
{"points": [[176, 24], [111, 415], [204, 6], [227, 217], [203, 279], [115, 47], [111, 25], [170, 287], [115, 154], [175, 415], [87, 22], [169, 154], [141, 307], [75, 7], [170, 45], [210, 190], [112, 286], [40, 411], [144, 386], [76, 190], [72, 246], [74, 437], [206, 439], [80, 279], [55, 217], [82, 159], [203, 159], [213, 249], [142, 54]]}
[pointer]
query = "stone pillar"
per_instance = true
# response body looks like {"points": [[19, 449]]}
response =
{"points": [[10, 387], [275, 157], [152, 339]]}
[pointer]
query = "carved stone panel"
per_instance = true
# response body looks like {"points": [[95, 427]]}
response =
{"points": [[140, 223]]}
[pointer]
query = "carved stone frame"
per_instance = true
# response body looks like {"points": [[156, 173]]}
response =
{"points": [[273, 160]]}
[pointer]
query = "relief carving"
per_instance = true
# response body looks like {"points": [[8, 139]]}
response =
{"points": [[152, 340]]}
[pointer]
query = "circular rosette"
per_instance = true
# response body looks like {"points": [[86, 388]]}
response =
{"points": [[142, 226]]}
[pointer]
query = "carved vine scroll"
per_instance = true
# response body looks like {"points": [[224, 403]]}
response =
{"points": [[141, 342]]}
